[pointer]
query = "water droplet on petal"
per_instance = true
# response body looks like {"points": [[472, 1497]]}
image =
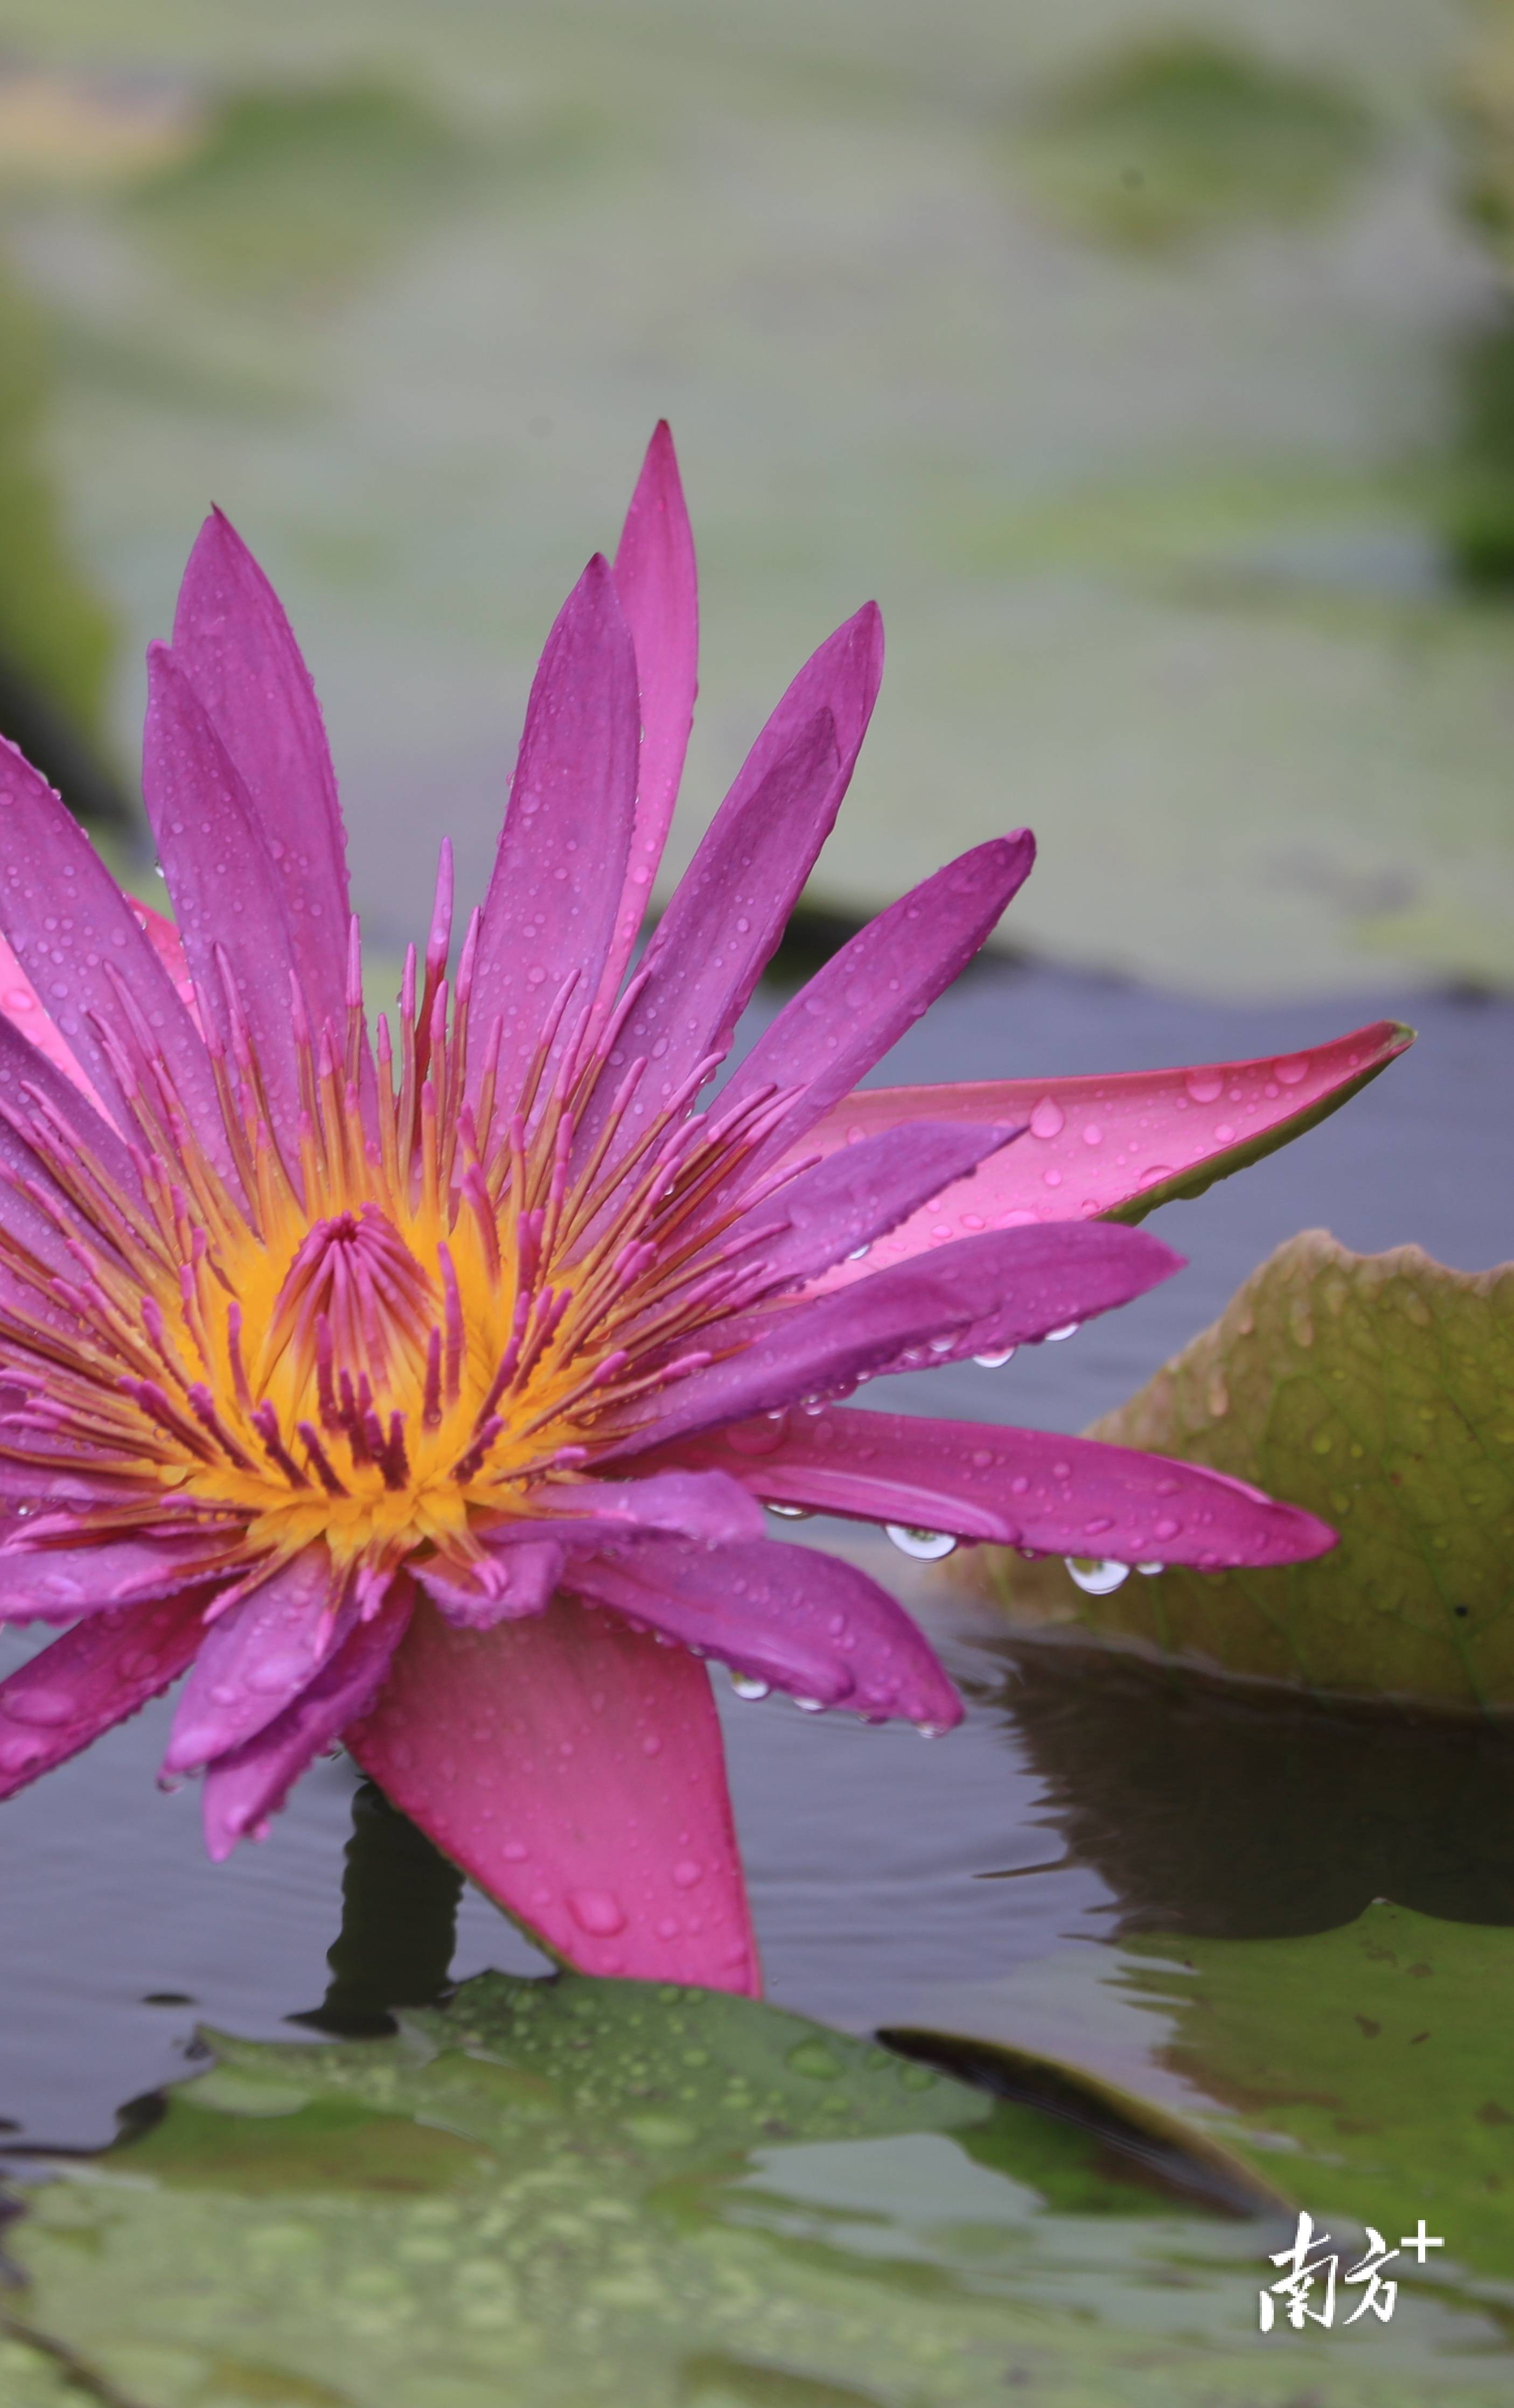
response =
{"points": [[1068, 1329], [1047, 1119], [1097, 1577], [997, 1362], [1150, 1569], [597, 1912], [746, 1684], [859, 1253], [811, 1705], [789, 1512], [1205, 1086], [927, 1546]]}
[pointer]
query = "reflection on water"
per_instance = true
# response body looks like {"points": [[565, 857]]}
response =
{"points": [[1251, 1818]]}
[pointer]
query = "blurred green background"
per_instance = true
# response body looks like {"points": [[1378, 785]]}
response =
{"points": [[1153, 365]]}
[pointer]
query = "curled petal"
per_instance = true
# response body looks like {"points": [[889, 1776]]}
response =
{"points": [[250, 1783], [257, 1657], [504, 1585], [707, 1505], [91, 1678], [802, 1621], [1060, 1496], [573, 1767]]}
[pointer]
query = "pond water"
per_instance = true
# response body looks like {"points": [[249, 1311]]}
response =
{"points": [[977, 1881]]}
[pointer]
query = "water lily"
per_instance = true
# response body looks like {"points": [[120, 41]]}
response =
{"points": [[417, 1387]]}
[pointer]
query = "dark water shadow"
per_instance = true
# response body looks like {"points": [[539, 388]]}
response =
{"points": [[1242, 1817]]}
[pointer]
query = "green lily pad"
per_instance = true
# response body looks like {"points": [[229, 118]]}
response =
{"points": [[1183, 136], [1367, 2069], [589, 2192], [1377, 1391]]}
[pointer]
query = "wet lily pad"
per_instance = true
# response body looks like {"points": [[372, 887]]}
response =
{"points": [[605, 2192], [1376, 1391], [1368, 2068]]}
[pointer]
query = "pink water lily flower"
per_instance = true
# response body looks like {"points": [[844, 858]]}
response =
{"points": [[420, 1390]]}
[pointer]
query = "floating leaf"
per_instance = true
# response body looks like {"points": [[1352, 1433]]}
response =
{"points": [[574, 2192], [1377, 1391], [1378, 2053], [1180, 136]]}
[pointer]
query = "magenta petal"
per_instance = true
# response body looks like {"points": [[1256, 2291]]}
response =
{"points": [[20, 1004], [257, 1659], [708, 1505], [244, 1787], [858, 1192], [559, 871], [226, 892], [55, 879], [573, 1767], [61, 1584], [508, 1583], [802, 1621], [1118, 1145], [91, 1678], [1015, 1284], [658, 585], [1060, 1496], [832, 1033], [28, 1076], [712, 943], [234, 643]]}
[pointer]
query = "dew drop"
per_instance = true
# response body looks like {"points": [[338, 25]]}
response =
{"points": [[811, 1705], [859, 1253], [789, 1512], [1151, 1570], [1096, 1576], [597, 1912], [44, 1706], [746, 1684], [1291, 1072], [1047, 1119], [997, 1362], [1068, 1329], [1205, 1086], [927, 1546]]}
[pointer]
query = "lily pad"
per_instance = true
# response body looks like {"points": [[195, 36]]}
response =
{"points": [[1375, 1390], [1182, 136], [1367, 2069], [590, 2191]]}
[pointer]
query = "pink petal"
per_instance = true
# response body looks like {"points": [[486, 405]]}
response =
{"points": [[168, 945], [1061, 1496], [20, 1004], [802, 1621], [858, 1192], [235, 645], [559, 872], [712, 942], [831, 1034], [508, 1583], [573, 1767], [1002, 1289], [243, 1789], [656, 582], [227, 893], [679, 1504], [90, 1679], [54, 876], [62, 1584], [1116, 1146], [28, 1073], [257, 1657]]}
